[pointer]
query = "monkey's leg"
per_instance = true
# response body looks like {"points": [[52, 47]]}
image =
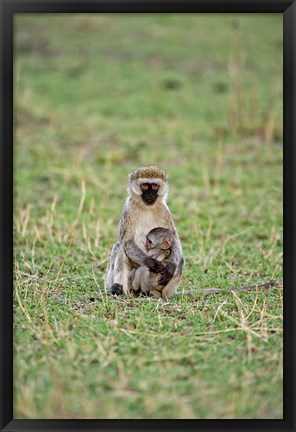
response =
{"points": [[117, 280], [109, 278], [156, 294], [171, 288], [141, 280], [136, 279]]}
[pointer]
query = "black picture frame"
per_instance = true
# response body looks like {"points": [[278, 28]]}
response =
{"points": [[10, 7]]}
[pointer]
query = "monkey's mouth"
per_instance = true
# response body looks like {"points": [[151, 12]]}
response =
{"points": [[149, 201]]}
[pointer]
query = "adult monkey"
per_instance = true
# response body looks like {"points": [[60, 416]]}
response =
{"points": [[145, 208]]}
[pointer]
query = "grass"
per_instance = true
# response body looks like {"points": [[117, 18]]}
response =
{"points": [[95, 97]]}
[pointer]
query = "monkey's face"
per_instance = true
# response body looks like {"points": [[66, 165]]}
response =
{"points": [[156, 241], [153, 244], [148, 244], [149, 192]]}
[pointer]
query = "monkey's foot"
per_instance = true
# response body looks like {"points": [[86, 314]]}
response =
{"points": [[145, 294], [116, 289]]}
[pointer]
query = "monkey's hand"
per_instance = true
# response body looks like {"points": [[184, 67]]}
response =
{"points": [[153, 264], [167, 274]]}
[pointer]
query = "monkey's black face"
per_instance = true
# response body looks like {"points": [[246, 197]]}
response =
{"points": [[149, 192]]}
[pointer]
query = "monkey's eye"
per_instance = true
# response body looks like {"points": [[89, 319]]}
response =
{"points": [[155, 186], [144, 186], [149, 242]]}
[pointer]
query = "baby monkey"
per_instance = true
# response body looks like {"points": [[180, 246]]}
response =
{"points": [[158, 245]]}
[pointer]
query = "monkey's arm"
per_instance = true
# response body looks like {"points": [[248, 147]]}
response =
{"points": [[137, 256], [176, 262]]}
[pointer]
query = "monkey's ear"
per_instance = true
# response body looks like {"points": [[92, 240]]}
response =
{"points": [[166, 244]]}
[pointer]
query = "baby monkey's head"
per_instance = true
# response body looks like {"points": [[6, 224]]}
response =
{"points": [[159, 239]]}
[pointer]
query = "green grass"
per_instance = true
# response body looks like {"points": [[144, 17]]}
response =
{"points": [[95, 97]]}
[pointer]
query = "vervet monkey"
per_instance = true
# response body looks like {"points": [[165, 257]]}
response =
{"points": [[158, 245], [145, 208]]}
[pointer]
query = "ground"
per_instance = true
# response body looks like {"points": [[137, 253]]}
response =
{"points": [[95, 97]]}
